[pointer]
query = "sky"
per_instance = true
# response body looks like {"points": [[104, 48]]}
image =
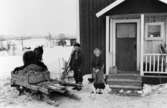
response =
{"points": [[31, 17]]}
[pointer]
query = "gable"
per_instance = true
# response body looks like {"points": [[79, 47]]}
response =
{"points": [[138, 6]]}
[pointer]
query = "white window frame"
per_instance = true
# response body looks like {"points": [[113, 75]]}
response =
{"points": [[161, 34]]}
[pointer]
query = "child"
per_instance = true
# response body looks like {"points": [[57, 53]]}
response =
{"points": [[98, 71], [75, 65]]}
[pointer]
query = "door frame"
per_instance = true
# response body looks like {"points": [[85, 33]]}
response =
{"points": [[113, 23]]}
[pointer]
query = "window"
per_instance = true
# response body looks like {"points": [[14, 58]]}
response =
{"points": [[154, 31], [126, 30]]}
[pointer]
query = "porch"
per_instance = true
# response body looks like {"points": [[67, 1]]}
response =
{"points": [[148, 51], [136, 40]]}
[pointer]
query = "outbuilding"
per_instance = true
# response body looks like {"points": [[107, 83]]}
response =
{"points": [[131, 33]]}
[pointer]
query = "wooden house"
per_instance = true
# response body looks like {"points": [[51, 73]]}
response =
{"points": [[132, 35]]}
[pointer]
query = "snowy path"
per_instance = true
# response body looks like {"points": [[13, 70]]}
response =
{"points": [[9, 97]]}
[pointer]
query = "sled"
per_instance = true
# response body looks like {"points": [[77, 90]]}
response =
{"points": [[39, 83]]}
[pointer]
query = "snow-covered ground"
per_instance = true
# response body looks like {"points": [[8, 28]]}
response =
{"points": [[54, 58], [152, 97]]}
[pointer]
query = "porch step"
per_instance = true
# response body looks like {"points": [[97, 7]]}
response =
{"points": [[125, 76], [126, 87], [125, 81]]}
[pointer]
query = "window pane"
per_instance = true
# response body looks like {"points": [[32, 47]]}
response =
{"points": [[154, 31], [126, 30]]}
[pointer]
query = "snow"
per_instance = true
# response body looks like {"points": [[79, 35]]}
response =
{"points": [[54, 58], [152, 96]]}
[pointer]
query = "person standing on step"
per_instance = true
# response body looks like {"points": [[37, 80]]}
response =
{"points": [[75, 65]]}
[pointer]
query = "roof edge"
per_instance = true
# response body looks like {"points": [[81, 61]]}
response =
{"points": [[109, 7], [115, 4], [163, 1]]}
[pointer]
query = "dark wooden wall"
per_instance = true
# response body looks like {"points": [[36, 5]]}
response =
{"points": [[92, 29]]}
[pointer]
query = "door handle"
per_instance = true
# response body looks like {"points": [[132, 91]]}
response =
{"points": [[135, 46]]}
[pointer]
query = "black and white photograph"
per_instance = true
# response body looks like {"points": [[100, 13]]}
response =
{"points": [[83, 53]]}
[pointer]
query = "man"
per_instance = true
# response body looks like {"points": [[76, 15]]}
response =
{"points": [[75, 65]]}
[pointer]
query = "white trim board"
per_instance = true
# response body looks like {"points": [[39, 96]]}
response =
{"points": [[77, 21], [107, 43], [141, 43], [109, 7]]}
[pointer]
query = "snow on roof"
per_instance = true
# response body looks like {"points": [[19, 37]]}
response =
{"points": [[115, 4], [163, 1], [109, 7]]}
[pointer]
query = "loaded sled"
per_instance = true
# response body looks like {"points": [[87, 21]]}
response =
{"points": [[36, 81]]}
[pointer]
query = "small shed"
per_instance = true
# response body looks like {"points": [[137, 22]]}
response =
{"points": [[131, 33]]}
